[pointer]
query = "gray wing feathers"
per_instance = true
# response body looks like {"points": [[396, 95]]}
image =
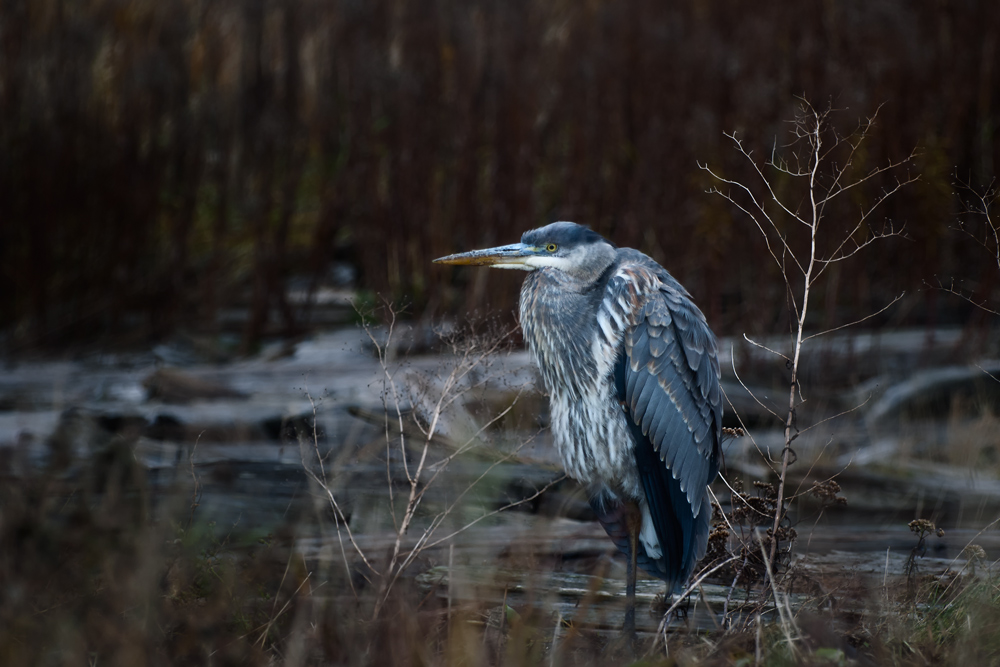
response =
{"points": [[672, 387], [641, 403], [657, 346], [660, 420]]}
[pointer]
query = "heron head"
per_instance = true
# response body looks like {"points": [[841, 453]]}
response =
{"points": [[563, 246]]}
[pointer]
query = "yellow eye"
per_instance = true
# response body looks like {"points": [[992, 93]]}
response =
{"points": [[552, 247]]}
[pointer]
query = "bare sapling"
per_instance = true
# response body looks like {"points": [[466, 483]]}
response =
{"points": [[790, 202], [418, 444]]}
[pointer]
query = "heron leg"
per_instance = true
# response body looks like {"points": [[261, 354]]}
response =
{"points": [[634, 525], [629, 628]]}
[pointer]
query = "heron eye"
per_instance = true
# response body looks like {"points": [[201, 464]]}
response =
{"points": [[552, 247]]}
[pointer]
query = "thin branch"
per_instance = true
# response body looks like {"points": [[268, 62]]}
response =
{"points": [[839, 254], [837, 191], [990, 375], [439, 519], [736, 494], [715, 499], [497, 511], [271, 621], [740, 418], [764, 180], [759, 207], [839, 414], [851, 324], [951, 289], [786, 624], [862, 134], [468, 444], [764, 347], [338, 514], [661, 630], [342, 520]]}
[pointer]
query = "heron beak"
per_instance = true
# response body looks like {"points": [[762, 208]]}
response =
{"points": [[512, 256]]}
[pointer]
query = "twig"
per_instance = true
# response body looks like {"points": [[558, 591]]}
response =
{"points": [[786, 624], [764, 347], [662, 628], [555, 640], [196, 492], [951, 289], [284, 608], [497, 511], [863, 319], [339, 518]]}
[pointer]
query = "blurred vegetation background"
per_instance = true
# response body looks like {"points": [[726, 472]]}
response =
{"points": [[162, 162]]}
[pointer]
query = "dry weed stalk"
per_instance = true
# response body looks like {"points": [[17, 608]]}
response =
{"points": [[800, 241], [469, 357]]}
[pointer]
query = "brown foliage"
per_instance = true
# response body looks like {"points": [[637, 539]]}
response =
{"points": [[159, 161]]}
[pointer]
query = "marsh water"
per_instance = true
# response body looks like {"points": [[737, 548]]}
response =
{"points": [[325, 438]]}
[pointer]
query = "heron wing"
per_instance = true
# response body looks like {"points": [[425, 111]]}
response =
{"points": [[667, 377], [671, 354]]}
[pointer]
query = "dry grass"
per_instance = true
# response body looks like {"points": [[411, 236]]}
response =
{"points": [[94, 572], [100, 567]]}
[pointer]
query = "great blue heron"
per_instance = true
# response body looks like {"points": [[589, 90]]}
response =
{"points": [[632, 374]]}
